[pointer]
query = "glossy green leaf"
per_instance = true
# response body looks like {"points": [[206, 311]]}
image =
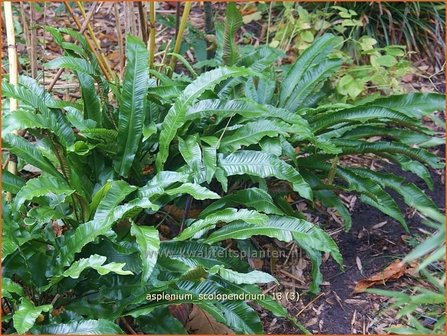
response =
{"points": [[148, 242], [132, 102], [82, 327], [263, 165], [26, 315], [176, 116], [227, 215]]}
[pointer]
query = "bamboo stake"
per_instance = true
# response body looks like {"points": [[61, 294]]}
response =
{"points": [[151, 43], [95, 41], [33, 54], [81, 30], [181, 30], [13, 77], [120, 38], [143, 21]]}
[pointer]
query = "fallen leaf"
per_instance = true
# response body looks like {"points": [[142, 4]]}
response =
{"points": [[201, 322], [359, 264], [181, 311], [378, 225], [355, 301], [252, 17], [255, 263], [393, 272], [311, 322]]}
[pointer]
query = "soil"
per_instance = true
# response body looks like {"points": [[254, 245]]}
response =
{"points": [[337, 310]]}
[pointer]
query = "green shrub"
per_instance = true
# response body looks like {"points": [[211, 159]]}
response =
{"points": [[82, 231]]}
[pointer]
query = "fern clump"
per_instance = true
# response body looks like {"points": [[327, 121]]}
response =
{"points": [[82, 239]]}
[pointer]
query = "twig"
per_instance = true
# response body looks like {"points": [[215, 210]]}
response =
{"points": [[290, 275], [127, 325], [120, 38], [179, 38], [306, 306]]}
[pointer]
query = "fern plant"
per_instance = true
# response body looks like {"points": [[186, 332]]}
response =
{"points": [[83, 245], [422, 309]]}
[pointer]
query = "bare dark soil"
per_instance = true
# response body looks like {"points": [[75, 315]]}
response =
{"points": [[337, 310]]}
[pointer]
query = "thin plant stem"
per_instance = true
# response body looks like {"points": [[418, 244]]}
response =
{"points": [[120, 38], [151, 44], [179, 38], [26, 32], [269, 23], [33, 54]]}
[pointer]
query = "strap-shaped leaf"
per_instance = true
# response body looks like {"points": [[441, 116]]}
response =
{"points": [[222, 216], [11, 183], [24, 95], [233, 22], [282, 228], [162, 181], [148, 242], [132, 102], [362, 114], [408, 137], [44, 185], [90, 98], [97, 263], [28, 152], [380, 147], [195, 190], [72, 63], [413, 196], [25, 317], [373, 194], [305, 94], [176, 116], [251, 133], [255, 198], [253, 277], [413, 166], [416, 104], [315, 54], [193, 254], [108, 212], [263, 165], [243, 107], [82, 327], [192, 154]]}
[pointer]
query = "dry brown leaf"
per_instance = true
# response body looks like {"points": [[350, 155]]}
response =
{"points": [[359, 264], [379, 225], [200, 322], [181, 311], [255, 263], [393, 272]]}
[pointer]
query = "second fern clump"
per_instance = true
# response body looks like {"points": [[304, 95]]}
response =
{"points": [[85, 231]]}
